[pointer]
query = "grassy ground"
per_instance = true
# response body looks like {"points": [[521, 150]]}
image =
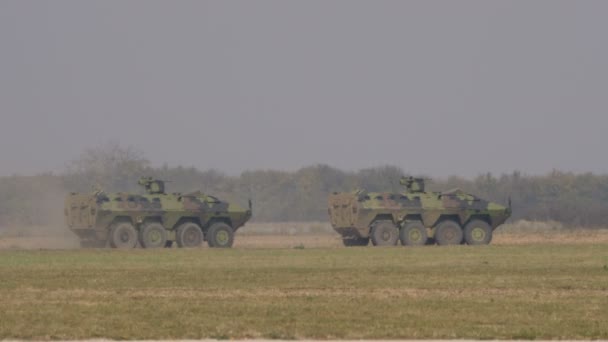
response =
{"points": [[498, 291]]}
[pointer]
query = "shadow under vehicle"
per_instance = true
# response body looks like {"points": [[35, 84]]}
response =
{"points": [[414, 217], [154, 219]]}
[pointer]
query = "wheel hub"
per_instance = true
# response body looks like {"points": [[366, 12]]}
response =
{"points": [[478, 233], [222, 237], [415, 235], [154, 236], [450, 234], [125, 236], [190, 235]]}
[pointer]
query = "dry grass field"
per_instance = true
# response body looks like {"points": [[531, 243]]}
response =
{"points": [[288, 281]]}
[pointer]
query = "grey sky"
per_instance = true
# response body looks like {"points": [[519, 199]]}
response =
{"points": [[437, 87]]}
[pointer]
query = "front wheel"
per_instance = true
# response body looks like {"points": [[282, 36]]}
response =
{"points": [[220, 235], [477, 232]]}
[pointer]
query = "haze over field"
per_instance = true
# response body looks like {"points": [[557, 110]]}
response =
{"points": [[436, 87]]}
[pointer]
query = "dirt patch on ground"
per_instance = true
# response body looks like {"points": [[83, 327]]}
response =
{"points": [[39, 242], [304, 235], [88, 296], [579, 236], [315, 240], [274, 340], [289, 241]]}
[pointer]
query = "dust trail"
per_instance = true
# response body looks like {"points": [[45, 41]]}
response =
{"points": [[37, 223]]}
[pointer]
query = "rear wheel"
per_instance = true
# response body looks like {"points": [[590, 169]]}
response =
{"points": [[448, 232], [384, 233], [123, 235], [220, 235], [413, 234], [189, 235], [153, 235], [355, 241], [477, 232]]}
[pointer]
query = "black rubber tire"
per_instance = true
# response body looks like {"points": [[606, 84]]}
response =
{"points": [[123, 235], [448, 232], [355, 242], [413, 233], [477, 232], [152, 235], [384, 233], [220, 235], [189, 235]]}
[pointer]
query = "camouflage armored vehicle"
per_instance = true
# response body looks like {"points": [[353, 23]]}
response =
{"points": [[154, 219], [414, 217]]}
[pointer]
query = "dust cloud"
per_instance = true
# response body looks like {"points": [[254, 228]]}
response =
{"points": [[39, 223]]}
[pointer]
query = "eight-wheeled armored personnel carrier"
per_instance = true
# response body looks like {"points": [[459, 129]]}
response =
{"points": [[154, 219], [414, 217]]}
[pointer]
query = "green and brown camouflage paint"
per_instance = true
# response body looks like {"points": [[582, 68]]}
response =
{"points": [[354, 214], [91, 216]]}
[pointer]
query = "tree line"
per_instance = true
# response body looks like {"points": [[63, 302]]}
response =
{"points": [[569, 198]]}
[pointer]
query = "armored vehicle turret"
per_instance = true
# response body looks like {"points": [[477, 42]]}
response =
{"points": [[414, 217], [153, 219]]}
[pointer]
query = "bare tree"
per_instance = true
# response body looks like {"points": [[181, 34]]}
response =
{"points": [[114, 167]]}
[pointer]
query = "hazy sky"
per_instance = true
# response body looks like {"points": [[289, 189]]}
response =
{"points": [[436, 87]]}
